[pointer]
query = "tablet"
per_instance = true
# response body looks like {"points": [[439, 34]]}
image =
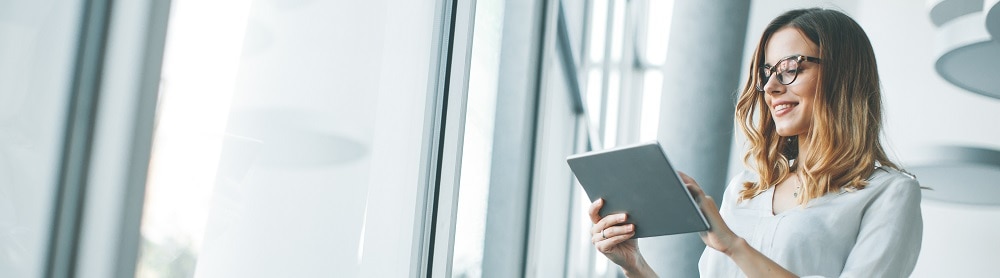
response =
{"points": [[639, 180]]}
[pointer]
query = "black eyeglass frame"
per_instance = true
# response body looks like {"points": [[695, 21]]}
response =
{"points": [[764, 73]]}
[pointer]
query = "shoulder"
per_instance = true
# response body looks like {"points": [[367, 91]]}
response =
{"points": [[736, 182], [886, 178], [735, 185], [890, 184]]}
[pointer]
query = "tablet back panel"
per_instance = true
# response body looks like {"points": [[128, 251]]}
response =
{"points": [[640, 181]]}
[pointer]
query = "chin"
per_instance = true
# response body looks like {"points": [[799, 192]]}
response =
{"points": [[788, 132]]}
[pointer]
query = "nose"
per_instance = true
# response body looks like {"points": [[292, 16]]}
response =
{"points": [[772, 86]]}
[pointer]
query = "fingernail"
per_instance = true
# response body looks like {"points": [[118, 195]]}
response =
{"points": [[629, 228], [621, 218]]}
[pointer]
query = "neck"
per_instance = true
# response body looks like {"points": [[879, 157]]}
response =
{"points": [[803, 147]]}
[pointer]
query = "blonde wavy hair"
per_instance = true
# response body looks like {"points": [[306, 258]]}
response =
{"points": [[844, 139]]}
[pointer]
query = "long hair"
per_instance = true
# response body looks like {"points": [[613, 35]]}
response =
{"points": [[844, 139]]}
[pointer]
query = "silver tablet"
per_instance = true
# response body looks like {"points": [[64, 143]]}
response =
{"points": [[639, 180]]}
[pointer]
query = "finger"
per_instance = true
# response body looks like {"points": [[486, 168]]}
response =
{"points": [[709, 203], [614, 231], [711, 211], [609, 221], [611, 232], [595, 207], [607, 245], [686, 179], [696, 192], [599, 236]]}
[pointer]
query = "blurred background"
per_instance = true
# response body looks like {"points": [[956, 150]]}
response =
{"points": [[398, 138]]}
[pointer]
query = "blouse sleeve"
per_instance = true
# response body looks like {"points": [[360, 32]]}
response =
{"points": [[890, 234]]}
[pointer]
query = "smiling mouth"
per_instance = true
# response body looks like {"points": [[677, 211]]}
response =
{"points": [[784, 108]]}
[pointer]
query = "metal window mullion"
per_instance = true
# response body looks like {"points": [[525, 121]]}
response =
{"points": [[79, 132], [565, 48], [433, 237], [159, 14], [443, 201]]}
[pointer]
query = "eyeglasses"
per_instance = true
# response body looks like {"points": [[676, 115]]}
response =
{"points": [[787, 69]]}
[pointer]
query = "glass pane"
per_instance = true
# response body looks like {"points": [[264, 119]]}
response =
{"points": [[594, 99], [612, 104], [658, 31], [652, 89], [38, 43], [598, 30], [289, 140], [581, 249], [618, 30], [477, 148]]}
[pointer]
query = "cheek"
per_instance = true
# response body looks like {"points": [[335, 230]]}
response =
{"points": [[807, 113]]}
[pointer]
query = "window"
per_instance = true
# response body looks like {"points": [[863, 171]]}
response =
{"points": [[625, 54], [291, 139], [477, 151]]}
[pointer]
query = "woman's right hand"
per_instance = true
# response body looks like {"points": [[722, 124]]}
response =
{"points": [[614, 239]]}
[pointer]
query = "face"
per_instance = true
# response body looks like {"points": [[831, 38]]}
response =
{"points": [[791, 105]]}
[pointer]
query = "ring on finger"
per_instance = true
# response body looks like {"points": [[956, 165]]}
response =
{"points": [[602, 234]]}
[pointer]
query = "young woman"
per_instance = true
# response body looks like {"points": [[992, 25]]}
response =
{"points": [[821, 197]]}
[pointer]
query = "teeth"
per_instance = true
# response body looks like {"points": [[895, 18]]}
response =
{"points": [[783, 107]]}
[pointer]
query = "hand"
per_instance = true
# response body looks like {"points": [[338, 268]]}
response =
{"points": [[613, 239], [719, 237]]}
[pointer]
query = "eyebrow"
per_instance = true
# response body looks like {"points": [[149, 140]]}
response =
{"points": [[786, 57]]}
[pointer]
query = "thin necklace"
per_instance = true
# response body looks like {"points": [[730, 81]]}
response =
{"points": [[798, 187]]}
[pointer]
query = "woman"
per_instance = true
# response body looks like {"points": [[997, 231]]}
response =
{"points": [[822, 197]]}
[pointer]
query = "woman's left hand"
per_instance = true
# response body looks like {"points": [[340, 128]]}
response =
{"points": [[719, 236]]}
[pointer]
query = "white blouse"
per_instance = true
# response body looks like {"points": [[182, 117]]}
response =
{"points": [[873, 232]]}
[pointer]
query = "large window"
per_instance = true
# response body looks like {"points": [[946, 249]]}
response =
{"points": [[292, 139], [626, 53], [377, 138], [312, 138], [623, 70]]}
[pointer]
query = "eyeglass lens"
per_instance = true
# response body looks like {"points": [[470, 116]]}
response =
{"points": [[787, 70]]}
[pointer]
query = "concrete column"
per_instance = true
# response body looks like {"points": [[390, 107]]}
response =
{"points": [[701, 81]]}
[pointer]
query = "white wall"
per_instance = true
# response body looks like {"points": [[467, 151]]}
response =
{"points": [[923, 110]]}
